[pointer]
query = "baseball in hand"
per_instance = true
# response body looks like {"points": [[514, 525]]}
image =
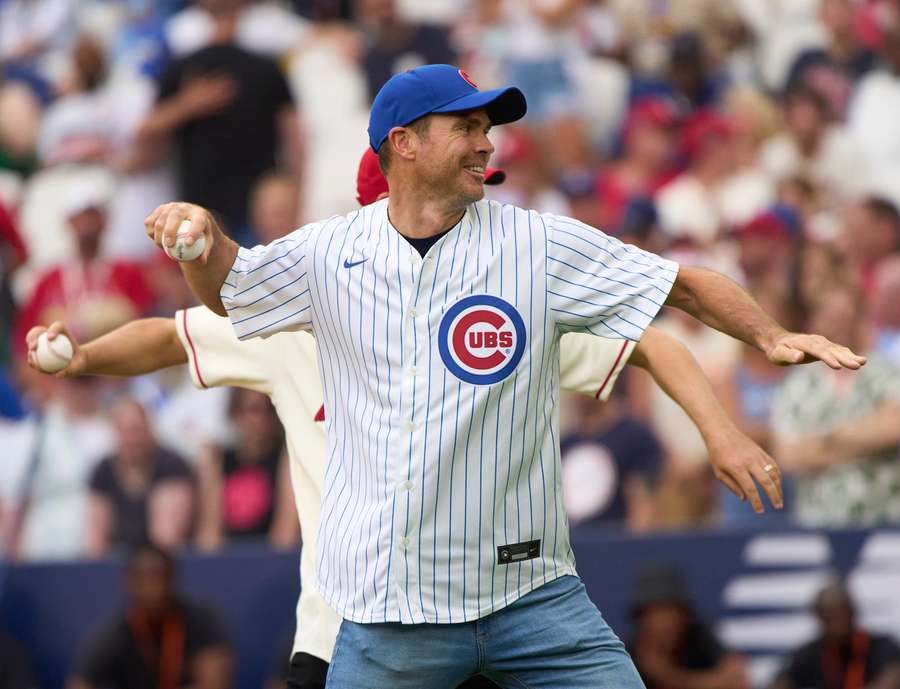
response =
{"points": [[53, 355], [181, 251]]}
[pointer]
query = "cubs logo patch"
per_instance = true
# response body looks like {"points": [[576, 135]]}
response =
{"points": [[481, 339]]}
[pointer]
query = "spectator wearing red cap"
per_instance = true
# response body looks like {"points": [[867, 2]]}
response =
{"points": [[713, 192], [766, 254], [527, 178], [650, 141]]}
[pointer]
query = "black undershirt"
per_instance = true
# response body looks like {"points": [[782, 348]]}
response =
{"points": [[423, 244]]}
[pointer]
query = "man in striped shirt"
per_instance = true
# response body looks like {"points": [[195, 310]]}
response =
{"points": [[438, 315]]}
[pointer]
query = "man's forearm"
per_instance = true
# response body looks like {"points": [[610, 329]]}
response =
{"points": [[206, 280], [677, 372], [722, 304], [139, 347]]}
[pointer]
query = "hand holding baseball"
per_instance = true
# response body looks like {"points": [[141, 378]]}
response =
{"points": [[54, 350], [178, 229]]}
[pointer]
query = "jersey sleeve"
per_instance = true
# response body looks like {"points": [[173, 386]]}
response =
{"points": [[267, 289], [597, 284], [217, 358], [590, 365]]}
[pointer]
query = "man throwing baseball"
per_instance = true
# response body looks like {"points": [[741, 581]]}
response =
{"points": [[438, 315]]}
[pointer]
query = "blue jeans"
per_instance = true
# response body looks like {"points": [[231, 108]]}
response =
{"points": [[552, 638]]}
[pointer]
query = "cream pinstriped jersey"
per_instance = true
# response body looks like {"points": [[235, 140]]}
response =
{"points": [[441, 375]]}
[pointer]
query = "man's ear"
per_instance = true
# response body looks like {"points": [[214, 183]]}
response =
{"points": [[403, 143]]}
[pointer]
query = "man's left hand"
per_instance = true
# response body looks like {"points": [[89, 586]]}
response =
{"points": [[737, 462], [800, 348]]}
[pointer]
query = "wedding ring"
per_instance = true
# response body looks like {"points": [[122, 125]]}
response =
{"points": [[769, 467]]}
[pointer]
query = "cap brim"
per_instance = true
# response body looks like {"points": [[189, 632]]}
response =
{"points": [[494, 175], [502, 105]]}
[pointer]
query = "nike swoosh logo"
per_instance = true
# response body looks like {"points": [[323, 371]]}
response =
{"points": [[348, 264]]}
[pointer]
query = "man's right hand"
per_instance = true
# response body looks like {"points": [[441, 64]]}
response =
{"points": [[163, 223], [79, 359]]}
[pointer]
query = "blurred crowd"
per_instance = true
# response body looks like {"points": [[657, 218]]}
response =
{"points": [[756, 137]]}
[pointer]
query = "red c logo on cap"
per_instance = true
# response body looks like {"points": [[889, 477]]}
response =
{"points": [[468, 79]]}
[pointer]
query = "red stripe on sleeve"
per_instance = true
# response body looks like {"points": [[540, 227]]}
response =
{"points": [[320, 415], [609, 375], [187, 334]]}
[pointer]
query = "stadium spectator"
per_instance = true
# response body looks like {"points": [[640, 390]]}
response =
{"points": [[394, 45], [839, 435], [12, 255], [871, 232], [671, 648], [690, 205], [832, 70], [648, 161], [76, 126], [877, 133], [93, 294], [35, 36], [141, 493], [245, 491], [885, 310], [266, 27], [843, 655], [527, 178], [610, 466], [54, 454], [814, 146], [161, 640], [207, 104], [767, 247], [689, 80], [274, 206], [20, 122]]}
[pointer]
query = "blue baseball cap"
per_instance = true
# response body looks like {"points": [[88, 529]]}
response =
{"points": [[437, 88]]}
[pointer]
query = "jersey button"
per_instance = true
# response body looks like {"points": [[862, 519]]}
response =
{"points": [[413, 370], [412, 311], [407, 485], [410, 426], [404, 543]]}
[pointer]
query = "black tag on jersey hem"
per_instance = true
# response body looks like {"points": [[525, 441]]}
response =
{"points": [[518, 552]]}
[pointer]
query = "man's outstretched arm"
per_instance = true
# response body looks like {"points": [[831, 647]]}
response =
{"points": [[736, 460], [723, 305], [208, 272], [138, 347]]}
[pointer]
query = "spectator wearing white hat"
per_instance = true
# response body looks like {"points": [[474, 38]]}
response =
{"points": [[92, 293]]}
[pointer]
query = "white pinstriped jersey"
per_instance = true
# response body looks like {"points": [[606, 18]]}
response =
{"points": [[441, 378]]}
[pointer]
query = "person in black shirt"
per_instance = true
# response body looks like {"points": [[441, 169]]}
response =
{"points": [[245, 490], [671, 648], [843, 656], [231, 117], [833, 69], [394, 45], [162, 641], [142, 493]]}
